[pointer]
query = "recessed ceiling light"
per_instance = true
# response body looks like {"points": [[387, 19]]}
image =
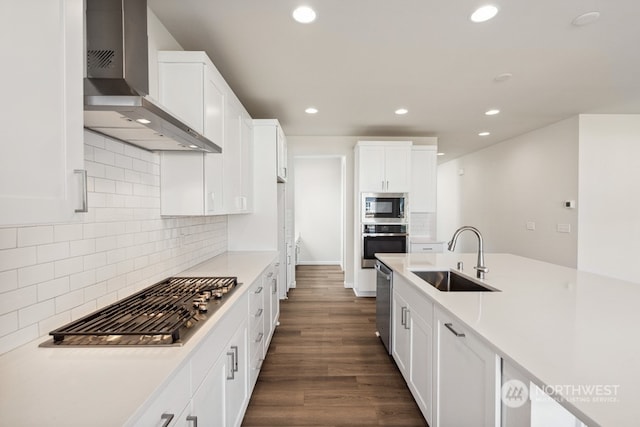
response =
{"points": [[492, 112], [143, 121], [193, 146], [441, 154], [484, 13], [401, 111], [484, 134], [304, 15], [586, 19], [503, 77], [311, 110]]}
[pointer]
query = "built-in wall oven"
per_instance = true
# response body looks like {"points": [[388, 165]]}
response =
{"points": [[382, 238], [384, 208]]}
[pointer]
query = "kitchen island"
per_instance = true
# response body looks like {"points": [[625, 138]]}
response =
{"points": [[115, 386], [559, 327]]}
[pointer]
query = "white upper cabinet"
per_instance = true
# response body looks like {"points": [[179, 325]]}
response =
{"points": [[191, 87], [281, 155], [384, 166], [424, 171], [42, 128]]}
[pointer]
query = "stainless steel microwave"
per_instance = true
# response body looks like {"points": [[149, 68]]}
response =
{"points": [[384, 208]]}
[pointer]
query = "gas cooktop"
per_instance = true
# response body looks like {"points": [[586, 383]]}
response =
{"points": [[165, 314]]}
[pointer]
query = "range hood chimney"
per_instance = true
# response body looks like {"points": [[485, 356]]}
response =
{"points": [[116, 89]]}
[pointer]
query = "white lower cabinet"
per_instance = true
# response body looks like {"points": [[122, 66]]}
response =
{"points": [[412, 342], [468, 380]]}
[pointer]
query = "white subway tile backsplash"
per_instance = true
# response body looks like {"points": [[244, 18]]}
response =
{"points": [[8, 281], [82, 280], [82, 247], [8, 238], [8, 323], [64, 232], [17, 299], [53, 252], [53, 273], [31, 236], [35, 313], [34, 274], [53, 288], [68, 266], [69, 300], [104, 156], [18, 338], [18, 257]]}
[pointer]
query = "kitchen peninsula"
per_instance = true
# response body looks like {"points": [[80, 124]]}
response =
{"points": [[558, 327]]}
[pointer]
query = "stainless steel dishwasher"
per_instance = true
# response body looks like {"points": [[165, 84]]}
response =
{"points": [[384, 291]]}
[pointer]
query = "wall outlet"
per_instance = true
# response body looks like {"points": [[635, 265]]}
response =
{"points": [[564, 228], [531, 225]]}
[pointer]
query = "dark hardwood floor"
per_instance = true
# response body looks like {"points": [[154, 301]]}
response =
{"points": [[326, 366]]}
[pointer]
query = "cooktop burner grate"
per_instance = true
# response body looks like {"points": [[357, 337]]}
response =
{"points": [[162, 314]]}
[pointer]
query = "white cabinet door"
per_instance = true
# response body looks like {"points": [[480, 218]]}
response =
{"points": [[468, 377], [424, 171], [42, 122], [208, 403], [401, 344], [236, 391], [371, 169], [246, 155], [421, 362], [397, 169], [282, 156], [233, 157]]}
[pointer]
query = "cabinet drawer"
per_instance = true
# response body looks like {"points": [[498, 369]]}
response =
{"points": [[256, 296], [426, 247]]}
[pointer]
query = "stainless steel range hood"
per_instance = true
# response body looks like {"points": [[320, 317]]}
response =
{"points": [[116, 89]]}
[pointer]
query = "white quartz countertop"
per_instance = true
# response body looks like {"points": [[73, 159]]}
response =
{"points": [[559, 326], [65, 387]]}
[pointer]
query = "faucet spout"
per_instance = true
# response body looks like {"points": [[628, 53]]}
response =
{"points": [[481, 268]]}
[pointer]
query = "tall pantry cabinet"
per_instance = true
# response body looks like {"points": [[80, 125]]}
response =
{"points": [[266, 229], [44, 128]]}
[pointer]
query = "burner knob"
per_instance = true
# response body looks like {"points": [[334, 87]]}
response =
{"points": [[203, 307], [217, 295]]}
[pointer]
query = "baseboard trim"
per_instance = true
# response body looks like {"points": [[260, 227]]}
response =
{"points": [[364, 294], [319, 263]]}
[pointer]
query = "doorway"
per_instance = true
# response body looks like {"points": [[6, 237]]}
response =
{"points": [[320, 209]]}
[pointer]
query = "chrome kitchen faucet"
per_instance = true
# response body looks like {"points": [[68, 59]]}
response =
{"points": [[481, 268]]}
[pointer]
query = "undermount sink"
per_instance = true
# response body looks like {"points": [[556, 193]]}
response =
{"points": [[450, 281]]}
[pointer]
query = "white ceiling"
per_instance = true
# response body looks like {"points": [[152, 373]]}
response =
{"points": [[362, 59]]}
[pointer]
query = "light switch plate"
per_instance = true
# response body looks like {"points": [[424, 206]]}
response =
{"points": [[531, 225]]}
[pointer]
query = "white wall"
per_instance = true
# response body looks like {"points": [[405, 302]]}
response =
{"points": [[500, 188], [318, 209], [609, 203], [51, 274]]}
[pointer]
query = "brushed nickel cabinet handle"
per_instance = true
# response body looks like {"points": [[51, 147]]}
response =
{"points": [[456, 333], [85, 196], [258, 313], [407, 325], [235, 359], [231, 374], [260, 336], [193, 419], [167, 419], [259, 290], [402, 316]]}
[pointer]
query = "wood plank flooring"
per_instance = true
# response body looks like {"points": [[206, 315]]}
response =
{"points": [[325, 366]]}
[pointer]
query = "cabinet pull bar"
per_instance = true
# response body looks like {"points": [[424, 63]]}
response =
{"points": [[235, 359], [85, 196], [402, 314], [167, 419], [193, 419], [259, 290], [275, 286], [259, 312], [456, 333], [231, 375], [260, 335], [407, 325]]}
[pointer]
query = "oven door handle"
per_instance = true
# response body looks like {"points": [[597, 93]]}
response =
{"points": [[385, 234]]}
